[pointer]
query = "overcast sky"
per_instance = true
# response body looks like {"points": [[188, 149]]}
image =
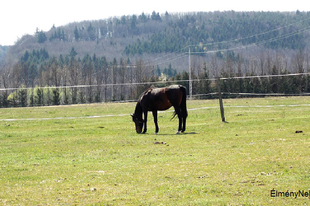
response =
{"points": [[19, 17]]}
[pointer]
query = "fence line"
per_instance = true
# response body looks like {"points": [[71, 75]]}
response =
{"points": [[157, 82], [251, 94], [127, 92]]}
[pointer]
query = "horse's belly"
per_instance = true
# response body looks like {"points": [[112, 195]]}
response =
{"points": [[164, 107], [161, 106]]}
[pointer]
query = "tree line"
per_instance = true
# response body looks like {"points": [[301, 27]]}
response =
{"points": [[39, 79]]}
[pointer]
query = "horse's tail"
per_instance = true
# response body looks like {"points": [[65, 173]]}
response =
{"points": [[183, 103], [173, 115]]}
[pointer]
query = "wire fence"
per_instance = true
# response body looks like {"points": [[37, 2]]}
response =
{"points": [[297, 84], [167, 82]]}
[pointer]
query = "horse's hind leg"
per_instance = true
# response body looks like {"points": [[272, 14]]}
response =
{"points": [[179, 113], [184, 122], [184, 116]]}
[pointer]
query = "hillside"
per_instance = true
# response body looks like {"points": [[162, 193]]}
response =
{"points": [[105, 55], [3, 51], [133, 36]]}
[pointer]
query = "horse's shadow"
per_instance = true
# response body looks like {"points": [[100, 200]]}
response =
{"points": [[166, 134]]}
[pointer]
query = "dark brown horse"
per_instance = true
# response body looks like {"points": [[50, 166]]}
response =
{"points": [[154, 99]]}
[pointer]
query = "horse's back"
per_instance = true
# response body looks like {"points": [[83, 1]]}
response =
{"points": [[175, 94]]}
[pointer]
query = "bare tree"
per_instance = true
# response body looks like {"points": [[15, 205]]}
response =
{"points": [[56, 74], [74, 69], [88, 67], [105, 68], [99, 75], [5, 77], [114, 77], [65, 76], [214, 67], [122, 71], [298, 62], [139, 77]]}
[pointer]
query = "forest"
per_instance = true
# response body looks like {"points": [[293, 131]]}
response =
{"points": [[116, 59], [3, 51]]}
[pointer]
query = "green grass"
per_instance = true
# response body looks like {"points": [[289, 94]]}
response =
{"points": [[102, 161]]}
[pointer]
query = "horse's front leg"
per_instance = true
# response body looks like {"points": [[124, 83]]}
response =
{"points": [[155, 121], [145, 122]]}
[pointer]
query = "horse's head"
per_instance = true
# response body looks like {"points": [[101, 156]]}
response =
{"points": [[138, 122]]}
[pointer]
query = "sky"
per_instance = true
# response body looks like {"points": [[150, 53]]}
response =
{"points": [[20, 17]]}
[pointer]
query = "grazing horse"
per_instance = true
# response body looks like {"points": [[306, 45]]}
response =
{"points": [[154, 99]]}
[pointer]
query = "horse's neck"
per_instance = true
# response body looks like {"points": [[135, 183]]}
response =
{"points": [[138, 110]]}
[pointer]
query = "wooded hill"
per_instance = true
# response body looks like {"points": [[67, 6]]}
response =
{"points": [[3, 51], [154, 47], [157, 33]]}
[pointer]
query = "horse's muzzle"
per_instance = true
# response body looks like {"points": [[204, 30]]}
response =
{"points": [[139, 131]]}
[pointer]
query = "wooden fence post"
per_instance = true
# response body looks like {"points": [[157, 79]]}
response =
{"points": [[220, 98]]}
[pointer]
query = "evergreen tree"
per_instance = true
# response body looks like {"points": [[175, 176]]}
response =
{"points": [[91, 32], [155, 16], [22, 96], [76, 34], [39, 97], [41, 37], [73, 53], [143, 17], [56, 96]]}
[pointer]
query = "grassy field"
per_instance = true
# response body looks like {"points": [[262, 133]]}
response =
{"points": [[91, 155]]}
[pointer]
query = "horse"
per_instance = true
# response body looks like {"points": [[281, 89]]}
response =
{"points": [[154, 99]]}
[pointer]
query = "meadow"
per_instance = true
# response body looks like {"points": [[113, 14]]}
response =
{"points": [[91, 155]]}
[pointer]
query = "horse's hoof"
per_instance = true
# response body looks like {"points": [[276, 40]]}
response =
{"points": [[156, 132], [178, 132]]}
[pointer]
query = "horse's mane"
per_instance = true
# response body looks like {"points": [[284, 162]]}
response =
{"points": [[149, 89], [146, 92]]}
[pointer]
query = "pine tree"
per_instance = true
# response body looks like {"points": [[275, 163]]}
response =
{"points": [[76, 34], [41, 37]]}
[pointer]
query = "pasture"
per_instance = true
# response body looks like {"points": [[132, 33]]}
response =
{"points": [[92, 155]]}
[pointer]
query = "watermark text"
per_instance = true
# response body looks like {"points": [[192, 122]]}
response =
{"points": [[292, 194]]}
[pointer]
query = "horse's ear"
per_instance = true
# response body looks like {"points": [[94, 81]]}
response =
{"points": [[132, 115]]}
